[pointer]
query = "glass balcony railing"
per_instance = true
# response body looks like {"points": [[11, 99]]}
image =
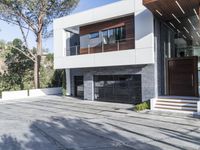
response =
{"points": [[106, 46]]}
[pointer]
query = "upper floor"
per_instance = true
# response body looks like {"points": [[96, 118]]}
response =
{"points": [[113, 35]]}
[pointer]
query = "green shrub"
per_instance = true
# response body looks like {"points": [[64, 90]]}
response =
{"points": [[142, 106]]}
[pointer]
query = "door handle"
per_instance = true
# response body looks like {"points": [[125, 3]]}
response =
{"points": [[192, 80]]}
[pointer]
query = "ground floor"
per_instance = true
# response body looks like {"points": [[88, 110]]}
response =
{"points": [[53, 122], [121, 84]]}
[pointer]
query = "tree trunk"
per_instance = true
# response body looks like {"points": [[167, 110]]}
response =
{"points": [[36, 73], [37, 61]]}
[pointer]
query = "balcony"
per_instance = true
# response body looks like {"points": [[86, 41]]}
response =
{"points": [[101, 47]]}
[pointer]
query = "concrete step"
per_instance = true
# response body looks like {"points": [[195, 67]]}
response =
{"points": [[177, 104], [184, 104], [179, 98], [177, 101], [175, 110], [176, 107]]}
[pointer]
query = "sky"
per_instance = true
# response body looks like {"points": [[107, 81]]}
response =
{"points": [[9, 32]]}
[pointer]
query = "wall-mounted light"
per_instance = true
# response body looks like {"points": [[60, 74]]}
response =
{"points": [[176, 18], [180, 7], [184, 36], [196, 13], [191, 24], [172, 25], [159, 12], [198, 34], [186, 29]]}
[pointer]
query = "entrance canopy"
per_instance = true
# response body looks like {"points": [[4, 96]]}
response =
{"points": [[178, 25], [180, 15], [165, 8]]}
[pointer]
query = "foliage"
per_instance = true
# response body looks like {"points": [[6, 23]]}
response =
{"points": [[46, 71], [49, 76], [142, 106], [18, 75], [19, 69], [59, 80], [34, 16]]}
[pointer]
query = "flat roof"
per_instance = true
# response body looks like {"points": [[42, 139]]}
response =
{"points": [[98, 14]]}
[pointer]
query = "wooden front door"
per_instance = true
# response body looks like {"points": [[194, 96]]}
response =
{"points": [[182, 75]]}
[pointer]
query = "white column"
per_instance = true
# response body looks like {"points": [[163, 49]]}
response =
{"points": [[198, 107], [68, 82]]}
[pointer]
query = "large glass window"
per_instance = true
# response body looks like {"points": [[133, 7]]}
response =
{"points": [[114, 35], [105, 37]]}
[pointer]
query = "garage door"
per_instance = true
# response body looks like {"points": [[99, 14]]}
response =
{"points": [[118, 88]]}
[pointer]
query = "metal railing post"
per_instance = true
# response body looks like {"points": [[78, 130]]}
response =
{"points": [[76, 50], [102, 47], [118, 45], [88, 49]]}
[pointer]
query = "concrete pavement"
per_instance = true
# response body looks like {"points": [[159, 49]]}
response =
{"points": [[58, 123]]}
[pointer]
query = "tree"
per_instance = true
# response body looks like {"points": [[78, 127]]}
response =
{"points": [[19, 67], [34, 16]]}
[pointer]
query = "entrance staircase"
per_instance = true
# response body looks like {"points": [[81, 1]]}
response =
{"points": [[176, 104]]}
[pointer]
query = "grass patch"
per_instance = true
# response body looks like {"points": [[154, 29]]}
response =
{"points": [[142, 106]]}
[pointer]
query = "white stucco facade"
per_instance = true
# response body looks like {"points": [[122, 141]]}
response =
{"points": [[144, 37]]}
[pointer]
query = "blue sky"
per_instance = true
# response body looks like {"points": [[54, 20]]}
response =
{"points": [[9, 32]]}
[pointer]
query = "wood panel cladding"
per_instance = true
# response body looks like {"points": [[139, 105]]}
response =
{"points": [[129, 43], [182, 76], [167, 7], [127, 21]]}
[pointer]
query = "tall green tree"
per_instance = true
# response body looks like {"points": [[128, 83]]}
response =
{"points": [[34, 16], [19, 67]]}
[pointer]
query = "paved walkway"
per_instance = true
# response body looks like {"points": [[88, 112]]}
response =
{"points": [[56, 123]]}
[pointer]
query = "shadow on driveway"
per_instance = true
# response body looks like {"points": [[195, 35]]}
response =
{"points": [[70, 134]]}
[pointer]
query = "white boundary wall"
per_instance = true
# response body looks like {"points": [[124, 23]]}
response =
{"points": [[43, 92], [198, 107], [8, 95], [13, 95]]}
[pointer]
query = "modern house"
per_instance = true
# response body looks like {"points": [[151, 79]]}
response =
{"points": [[132, 51]]}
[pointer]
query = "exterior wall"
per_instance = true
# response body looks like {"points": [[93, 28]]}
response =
{"points": [[146, 71], [116, 58], [158, 61], [144, 27]]}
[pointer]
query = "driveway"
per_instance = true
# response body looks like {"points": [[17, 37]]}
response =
{"points": [[58, 123]]}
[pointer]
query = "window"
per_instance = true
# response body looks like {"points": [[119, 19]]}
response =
{"points": [[105, 37], [120, 33], [111, 36], [94, 35]]}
